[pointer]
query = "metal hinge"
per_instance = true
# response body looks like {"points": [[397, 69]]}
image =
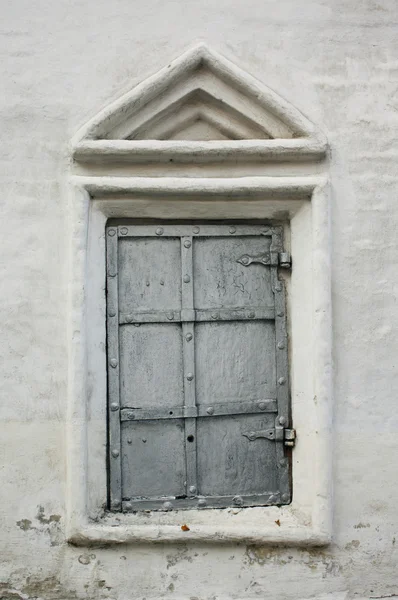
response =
{"points": [[278, 434], [285, 260]]}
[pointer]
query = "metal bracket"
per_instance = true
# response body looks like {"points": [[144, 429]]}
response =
{"points": [[278, 434], [285, 260]]}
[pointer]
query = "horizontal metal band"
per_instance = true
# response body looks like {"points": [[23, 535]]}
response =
{"points": [[258, 313], [164, 230], [201, 502], [267, 405]]}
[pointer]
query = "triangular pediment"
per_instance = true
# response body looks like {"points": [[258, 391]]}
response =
{"points": [[203, 97]]}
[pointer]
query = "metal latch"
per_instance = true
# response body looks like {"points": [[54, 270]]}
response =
{"points": [[278, 434]]}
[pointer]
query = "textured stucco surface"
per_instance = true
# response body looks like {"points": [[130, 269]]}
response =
{"points": [[335, 60]]}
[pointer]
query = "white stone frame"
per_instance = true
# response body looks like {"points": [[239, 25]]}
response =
{"points": [[302, 200]]}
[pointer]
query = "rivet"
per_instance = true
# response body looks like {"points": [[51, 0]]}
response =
{"points": [[281, 345], [280, 313], [124, 230], [113, 363], [187, 244], [129, 441], [188, 337], [210, 410], [189, 376], [232, 230], [215, 315], [195, 229], [144, 440], [128, 506], [112, 313], [187, 279], [129, 318], [115, 453], [114, 406], [170, 316], [264, 260], [238, 500], [192, 489], [162, 282], [278, 287], [147, 283], [202, 502], [167, 505], [281, 380], [245, 260], [252, 315], [159, 231], [111, 232], [282, 420], [262, 405], [285, 497]]}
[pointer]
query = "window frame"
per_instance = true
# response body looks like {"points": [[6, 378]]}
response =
{"points": [[307, 520]]}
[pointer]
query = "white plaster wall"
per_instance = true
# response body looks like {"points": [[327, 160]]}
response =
{"points": [[336, 60]]}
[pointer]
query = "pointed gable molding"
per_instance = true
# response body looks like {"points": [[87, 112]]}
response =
{"points": [[199, 108]]}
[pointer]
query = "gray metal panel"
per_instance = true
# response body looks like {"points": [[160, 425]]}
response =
{"points": [[151, 365], [149, 274], [223, 282], [235, 361], [153, 462], [228, 463]]}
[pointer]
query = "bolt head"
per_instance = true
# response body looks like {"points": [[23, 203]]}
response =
{"points": [[285, 497], [129, 441], [114, 406], [115, 453], [112, 313], [282, 420], [262, 405], [278, 287], [167, 506], [128, 506], [192, 489], [202, 502], [252, 315], [195, 229], [232, 230], [111, 232], [281, 345], [210, 410], [159, 231], [188, 337], [280, 313], [113, 363], [162, 282], [187, 244], [281, 380], [245, 260], [124, 230], [170, 316], [190, 376], [238, 500], [187, 279], [215, 315]]}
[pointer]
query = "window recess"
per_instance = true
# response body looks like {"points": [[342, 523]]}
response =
{"points": [[198, 391]]}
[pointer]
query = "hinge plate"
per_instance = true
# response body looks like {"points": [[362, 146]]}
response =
{"points": [[279, 434]]}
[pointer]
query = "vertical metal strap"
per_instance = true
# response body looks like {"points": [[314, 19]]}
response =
{"points": [[188, 332], [115, 479], [282, 371]]}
